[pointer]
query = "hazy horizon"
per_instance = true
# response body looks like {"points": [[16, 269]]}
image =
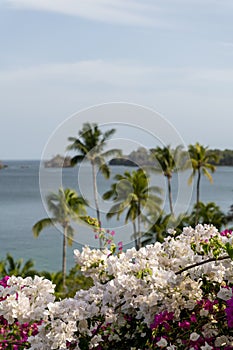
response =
{"points": [[58, 58]]}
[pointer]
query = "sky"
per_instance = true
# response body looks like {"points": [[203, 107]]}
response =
{"points": [[57, 58]]}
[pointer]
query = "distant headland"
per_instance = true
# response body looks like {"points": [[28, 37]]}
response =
{"points": [[2, 166], [58, 162], [140, 157]]}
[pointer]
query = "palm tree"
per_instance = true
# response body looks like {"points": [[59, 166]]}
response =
{"points": [[170, 160], [208, 213], [90, 146], [9, 267], [157, 230], [65, 206], [159, 227], [202, 163], [229, 216], [132, 193]]}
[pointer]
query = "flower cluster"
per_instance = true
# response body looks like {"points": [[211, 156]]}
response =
{"points": [[106, 237], [174, 295], [22, 305]]}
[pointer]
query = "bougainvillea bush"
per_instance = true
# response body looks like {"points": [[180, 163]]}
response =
{"points": [[22, 305], [174, 295]]}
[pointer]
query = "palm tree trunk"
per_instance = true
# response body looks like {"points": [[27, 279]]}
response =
{"points": [[64, 259], [139, 226], [198, 195], [96, 197], [135, 235], [170, 195]]}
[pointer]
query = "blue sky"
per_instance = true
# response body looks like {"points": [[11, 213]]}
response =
{"points": [[58, 57]]}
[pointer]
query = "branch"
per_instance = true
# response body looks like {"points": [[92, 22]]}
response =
{"points": [[201, 263]]}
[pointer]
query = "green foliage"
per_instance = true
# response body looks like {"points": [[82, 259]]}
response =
{"points": [[225, 157], [229, 216], [158, 227], [66, 205], [202, 160], [143, 273], [75, 281], [133, 195], [89, 146], [10, 267], [208, 213], [170, 160], [202, 163], [229, 250]]}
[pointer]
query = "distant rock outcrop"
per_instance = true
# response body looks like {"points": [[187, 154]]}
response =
{"points": [[122, 161], [2, 166], [58, 162]]}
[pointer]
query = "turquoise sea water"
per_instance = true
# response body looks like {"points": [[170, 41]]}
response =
{"points": [[21, 206]]}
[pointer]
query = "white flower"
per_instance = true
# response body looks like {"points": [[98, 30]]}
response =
{"points": [[26, 298], [139, 284], [162, 343], [225, 293], [194, 336], [204, 312], [206, 347], [95, 341], [221, 341]]}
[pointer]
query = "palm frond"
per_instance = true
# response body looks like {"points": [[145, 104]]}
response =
{"points": [[207, 174], [112, 153], [70, 235], [105, 170], [77, 159], [42, 224], [191, 177], [77, 145], [108, 134]]}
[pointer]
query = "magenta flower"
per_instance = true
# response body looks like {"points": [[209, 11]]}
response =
{"points": [[162, 318], [226, 232], [193, 318], [184, 324], [229, 312], [120, 246], [3, 281]]}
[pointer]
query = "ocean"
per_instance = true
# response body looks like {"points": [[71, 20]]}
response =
{"points": [[21, 205]]}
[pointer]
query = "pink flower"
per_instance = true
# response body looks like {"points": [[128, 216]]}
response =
{"points": [[193, 318], [226, 233], [3, 281], [162, 318], [120, 246], [229, 312], [184, 324]]}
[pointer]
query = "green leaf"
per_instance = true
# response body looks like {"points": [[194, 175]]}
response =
{"points": [[229, 250]]}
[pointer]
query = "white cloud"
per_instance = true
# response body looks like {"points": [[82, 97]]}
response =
{"points": [[130, 12], [122, 74], [36, 99], [226, 44], [119, 74], [212, 75]]}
